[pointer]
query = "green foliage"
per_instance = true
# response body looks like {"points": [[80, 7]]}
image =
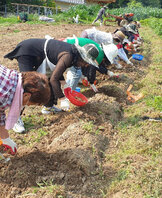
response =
{"points": [[54, 189], [136, 154], [154, 23], [139, 13], [155, 102], [88, 126], [8, 21], [118, 4], [151, 3], [134, 4], [16, 31], [124, 3], [86, 13], [122, 174], [50, 3]]}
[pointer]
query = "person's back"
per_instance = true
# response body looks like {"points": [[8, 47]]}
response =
{"points": [[101, 11], [98, 36], [84, 41]]}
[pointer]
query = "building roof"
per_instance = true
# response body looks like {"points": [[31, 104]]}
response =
{"points": [[102, 1], [84, 1]]}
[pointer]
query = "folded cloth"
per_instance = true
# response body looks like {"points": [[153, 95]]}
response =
{"points": [[16, 106]]}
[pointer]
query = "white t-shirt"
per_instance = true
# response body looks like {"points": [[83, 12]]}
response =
{"points": [[99, 36]]}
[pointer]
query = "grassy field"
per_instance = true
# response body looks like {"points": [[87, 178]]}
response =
{"points": [[137, 153], [88, 13]]}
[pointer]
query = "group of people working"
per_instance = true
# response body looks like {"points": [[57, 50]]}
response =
{"points": [[122, 19], [43, 64]]}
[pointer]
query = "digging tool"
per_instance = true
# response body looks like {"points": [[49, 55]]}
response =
{"points": [[118, 19], [131, 97]]}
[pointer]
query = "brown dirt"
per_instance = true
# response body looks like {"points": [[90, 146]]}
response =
{"points": [[71, 155]]}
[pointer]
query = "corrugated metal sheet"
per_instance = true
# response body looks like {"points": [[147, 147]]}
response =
{"points": [[84, 1], [72, 1], [102, 1]]}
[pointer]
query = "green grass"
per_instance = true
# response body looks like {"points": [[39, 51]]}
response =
{"points": [[155, 102], [137, 152], [139, 13], [89, 126], [35, 125], [154, 23], [32, 120], [8, 21], [50, 188], [88, 13]]}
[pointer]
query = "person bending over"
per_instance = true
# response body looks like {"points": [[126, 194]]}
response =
{"points": [[52, 57], [74, 73], [16, 91]]}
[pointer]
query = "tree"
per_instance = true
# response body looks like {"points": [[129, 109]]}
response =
{"points": [[50, 3], [134, 4], [151, 3], [119, 3]]}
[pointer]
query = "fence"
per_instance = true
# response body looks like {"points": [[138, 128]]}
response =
{"points": [[16, 8]]}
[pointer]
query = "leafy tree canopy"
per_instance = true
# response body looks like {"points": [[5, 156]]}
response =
{"points": [[119, 3]]}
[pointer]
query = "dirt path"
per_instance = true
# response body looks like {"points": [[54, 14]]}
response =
{"points": [[63, 154]]}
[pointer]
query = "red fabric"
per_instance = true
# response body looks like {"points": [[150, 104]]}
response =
{"points": [[61, 39], [127, 47], [7, 147], [136, 36], [119, 46]]}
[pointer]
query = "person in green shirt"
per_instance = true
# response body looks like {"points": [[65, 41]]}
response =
{"points": [[74, 73], [84, 41]]}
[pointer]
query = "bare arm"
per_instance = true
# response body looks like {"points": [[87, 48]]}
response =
{"points": [[65, 61]]}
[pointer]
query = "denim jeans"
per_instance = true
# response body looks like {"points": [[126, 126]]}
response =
{"points": [[73, 76]]}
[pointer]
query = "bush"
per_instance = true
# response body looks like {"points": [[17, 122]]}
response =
{"points": [[134, 4], [140, 13], [154, 23], [8, 21], [86, 13]]}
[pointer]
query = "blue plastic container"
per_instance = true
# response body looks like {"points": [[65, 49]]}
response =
{"points": [[78, 89], [138, 57]]}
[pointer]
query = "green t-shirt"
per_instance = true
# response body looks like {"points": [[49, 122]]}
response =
{"points": [[84, 41]]}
